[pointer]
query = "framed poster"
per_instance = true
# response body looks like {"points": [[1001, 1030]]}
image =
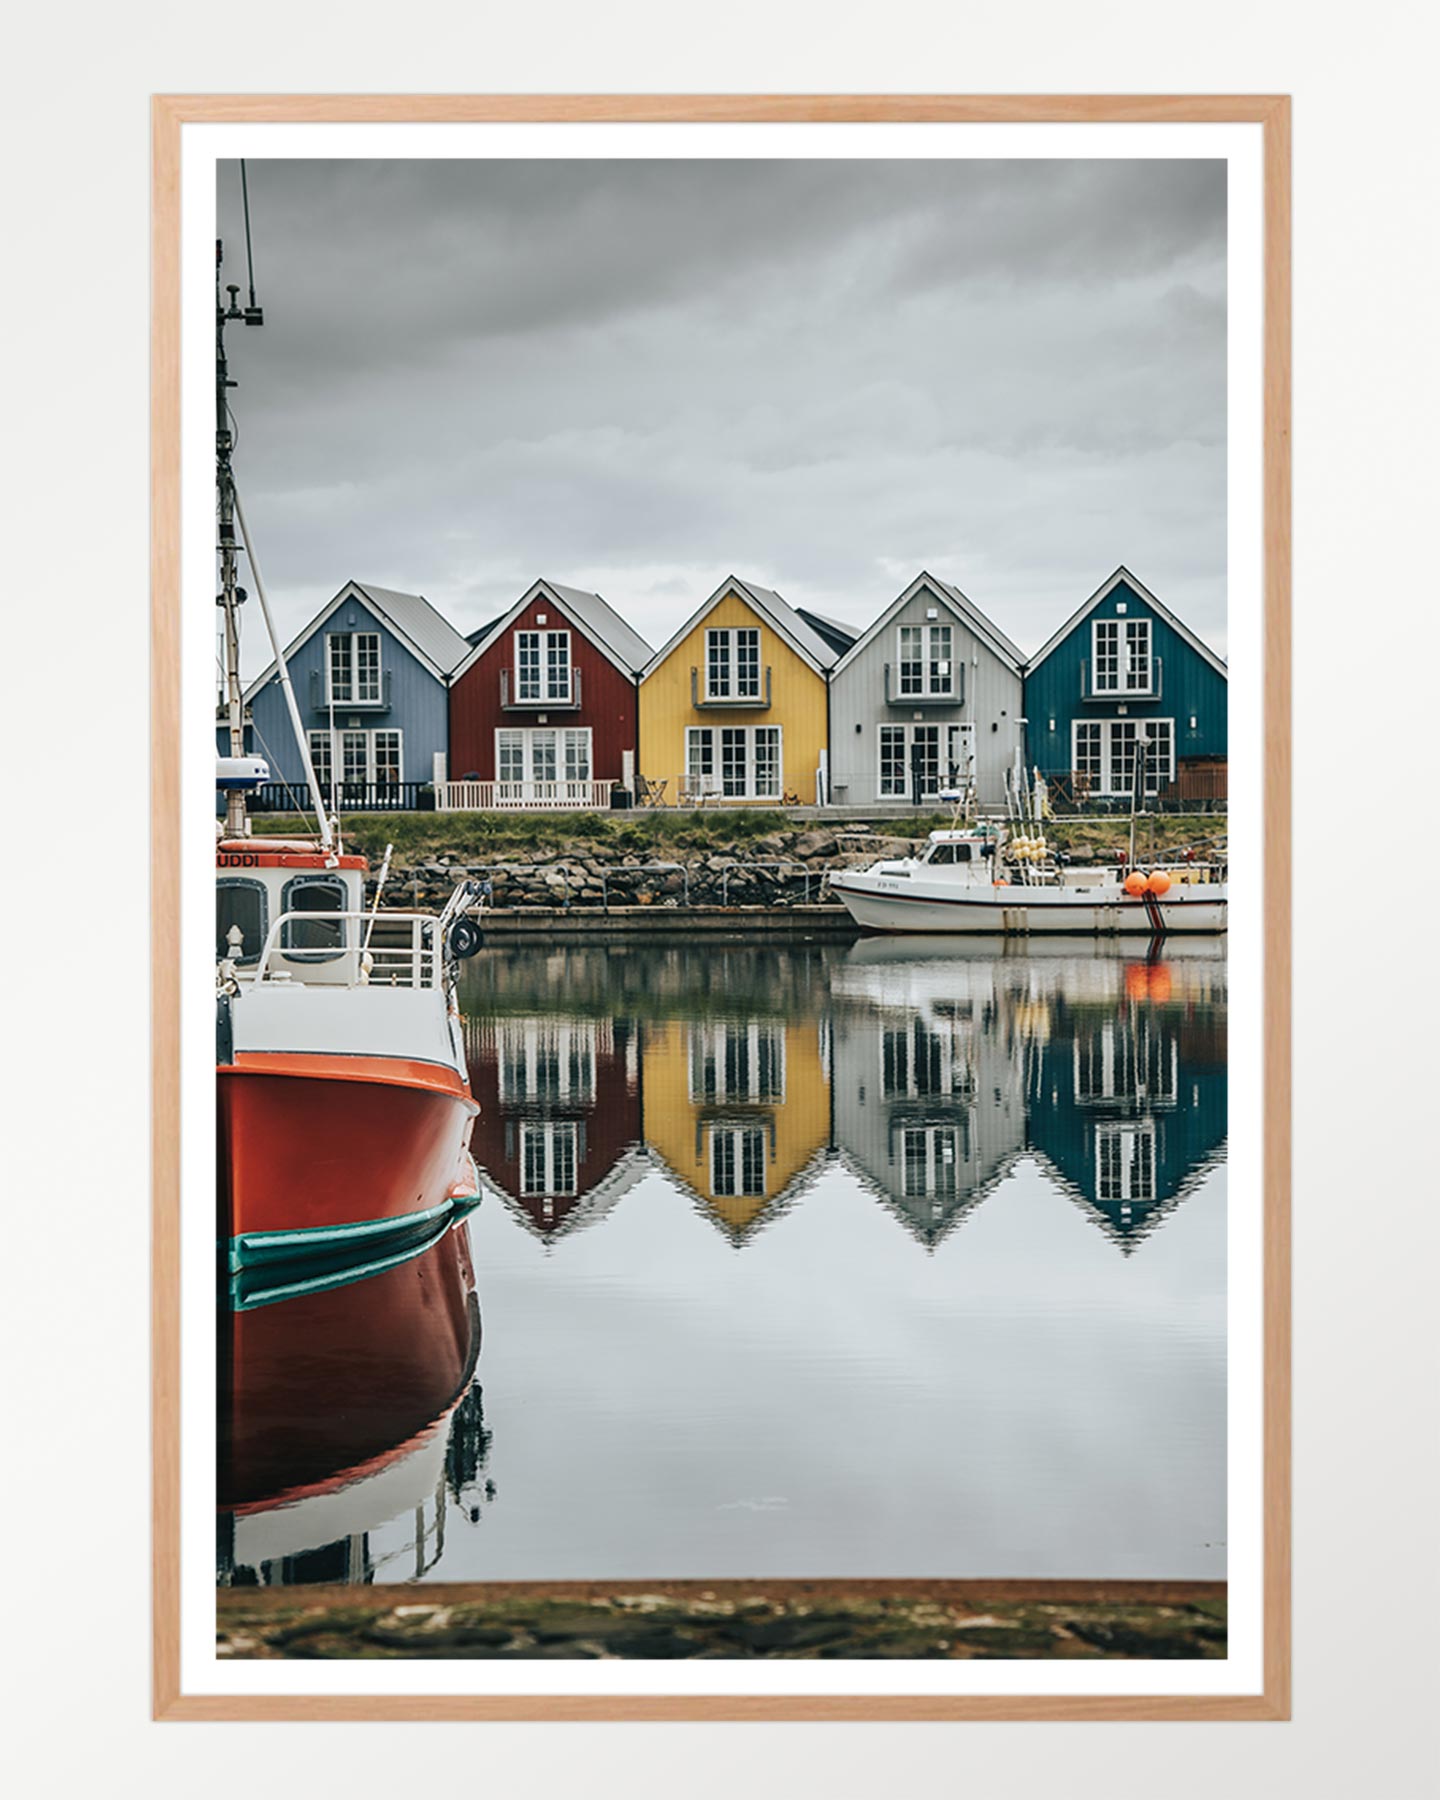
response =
{"points": [[729, 1193]]}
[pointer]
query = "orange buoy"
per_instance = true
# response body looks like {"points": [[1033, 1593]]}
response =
{"points": [[1135, 884], [1001, 883], [1159, 882]]}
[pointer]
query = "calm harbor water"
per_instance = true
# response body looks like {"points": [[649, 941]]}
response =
{"points": [[899, 1258]]}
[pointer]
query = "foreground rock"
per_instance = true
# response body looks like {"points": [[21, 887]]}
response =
{"points": [[707, 1623]]}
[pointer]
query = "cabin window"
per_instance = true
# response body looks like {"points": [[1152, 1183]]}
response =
{"points": [[540, 754], [551, 1064], [941, 756], [737, 1161], [1122, 660], [1125, 1162], [732, 664], [353, 667], [323, 937], [549, 1160], [385, 758], [367, 758], [242, 903], [542, 666], [930, 1162], [950, 854], [320, 762], [747, 758], [927, 660], [730, 1061], [1103, 754]]}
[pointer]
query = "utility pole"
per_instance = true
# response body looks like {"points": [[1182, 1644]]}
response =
{"points": [[231, 595]]}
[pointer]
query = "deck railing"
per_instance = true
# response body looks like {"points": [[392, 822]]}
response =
{"points": [[353, 796], [404, 950], [537, 796]]}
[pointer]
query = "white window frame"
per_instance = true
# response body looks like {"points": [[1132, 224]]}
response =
{"points": [[726, 639], [930, 688], [544, 691], [322, 759], [933, 1142], [1126, 1154], [565, 738], [711, 764], [1125, 684], [351, 662], [737, 1138], [550, 1133], [1111, 783], [528, 1047], [952, 734], [710, 1042]]}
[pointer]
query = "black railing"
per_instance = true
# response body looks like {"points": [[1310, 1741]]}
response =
{"points": [[1191, 789], [353, 796], [700, 695], [954, 695], [1155, 690]]}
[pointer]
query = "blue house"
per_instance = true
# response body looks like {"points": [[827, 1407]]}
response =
{"points": [[370, 674], [1122, 671]]}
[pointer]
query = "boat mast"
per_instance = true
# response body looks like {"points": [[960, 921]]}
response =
{"points": [[231, 595]]}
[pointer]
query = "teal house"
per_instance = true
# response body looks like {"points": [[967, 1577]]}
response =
{"points": [[1121, 674]]}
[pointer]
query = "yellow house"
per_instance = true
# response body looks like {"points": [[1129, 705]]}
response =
{"points": [[735, 707], [739, 1110]]}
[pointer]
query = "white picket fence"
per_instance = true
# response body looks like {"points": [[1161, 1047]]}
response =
{"points": [[537, 796]]}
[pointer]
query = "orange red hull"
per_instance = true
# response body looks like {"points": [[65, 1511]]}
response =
{"points": [[332, 1154]]}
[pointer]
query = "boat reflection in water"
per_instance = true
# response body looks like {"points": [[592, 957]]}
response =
{"points": [[347, 1417]]}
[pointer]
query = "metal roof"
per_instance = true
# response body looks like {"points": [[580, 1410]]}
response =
{"points": [[595, 617], [1107, 587], [410, 616], [964, 609], [802, 637]]}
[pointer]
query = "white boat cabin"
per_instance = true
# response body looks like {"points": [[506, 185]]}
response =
{"points": [[258, 881]]}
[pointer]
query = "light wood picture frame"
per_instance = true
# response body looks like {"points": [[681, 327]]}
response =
{"points": [[171, 114]]}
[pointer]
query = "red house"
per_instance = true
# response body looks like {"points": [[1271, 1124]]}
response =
{"points": [[543, 711]]}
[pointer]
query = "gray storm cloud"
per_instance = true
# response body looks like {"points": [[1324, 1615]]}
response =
{"points": [[637, 376]]}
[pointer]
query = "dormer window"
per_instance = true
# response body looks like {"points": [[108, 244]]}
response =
{"points": [[732, 664], [927, 660], [352, 667], [1122, 659], [542, 666]]}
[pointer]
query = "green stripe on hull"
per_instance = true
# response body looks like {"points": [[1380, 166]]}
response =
{"points": [[252, 1249]]}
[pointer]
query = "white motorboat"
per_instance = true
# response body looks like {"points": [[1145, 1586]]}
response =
{"points": [[975, 881]]}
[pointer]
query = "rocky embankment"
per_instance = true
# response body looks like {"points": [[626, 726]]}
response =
{"points": [[783, 868]]}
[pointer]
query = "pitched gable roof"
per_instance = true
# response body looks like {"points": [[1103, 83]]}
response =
{"points": [[596, 618], [960, 605], [1106, 588], [802, 638], [410, 617], [839, 637]]}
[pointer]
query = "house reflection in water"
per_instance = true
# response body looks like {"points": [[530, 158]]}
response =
{"points": [[1130, 1103], [559, 1133], [929, 1102], [738, 1110], [949, 1067]]}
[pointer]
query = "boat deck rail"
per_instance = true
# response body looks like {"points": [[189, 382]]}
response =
{"points": [[344, 949]]}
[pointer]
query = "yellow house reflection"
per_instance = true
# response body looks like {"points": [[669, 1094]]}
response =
{"points": [[739, 1110]]}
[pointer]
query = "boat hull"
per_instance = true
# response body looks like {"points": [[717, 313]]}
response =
{"points": [[910, 906], [329, 1155]]}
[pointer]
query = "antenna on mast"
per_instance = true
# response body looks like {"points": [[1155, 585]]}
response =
{"points": [[231, 596]]}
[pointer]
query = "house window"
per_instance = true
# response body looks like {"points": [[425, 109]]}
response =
{"points": [[747, 758], [926, 658], [1125, 1162], [737, 1161], [734, 1062], [546, 1063], [1103, 752], [542, 666], [943, 756], [732, 664], [366, 758], [549, 1159], [536, 754], [917, 1063], [385, 758], [1121, 652], [929, 1162], [353, 667], [240, 902]]}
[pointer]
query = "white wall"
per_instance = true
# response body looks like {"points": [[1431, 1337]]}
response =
{"points": [[75, 297]]}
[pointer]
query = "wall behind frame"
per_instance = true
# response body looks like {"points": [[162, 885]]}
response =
{"points": [[76, 179]]}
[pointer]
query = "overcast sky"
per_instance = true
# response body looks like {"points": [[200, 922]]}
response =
{"points": [[640, 376]]}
